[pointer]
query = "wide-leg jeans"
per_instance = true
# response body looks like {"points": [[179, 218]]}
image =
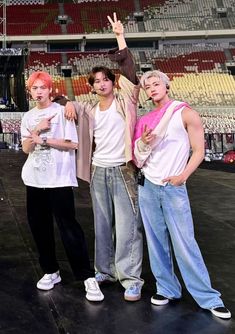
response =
{"points": [[167, 220], [45, 204], [114, 211]]}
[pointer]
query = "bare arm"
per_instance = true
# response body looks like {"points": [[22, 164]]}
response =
{"points": [[28, 145], [122, 55], [195, 131], [59, 144], [194, 127]]}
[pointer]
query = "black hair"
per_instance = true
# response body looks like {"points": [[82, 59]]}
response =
{"points": [[105, 70]]}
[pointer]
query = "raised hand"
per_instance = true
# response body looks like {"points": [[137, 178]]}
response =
{"points": [[116, 25], [44, 124], [147, 135]]}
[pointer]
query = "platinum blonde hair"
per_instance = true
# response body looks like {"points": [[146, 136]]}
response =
{"points": [[157, 74]]}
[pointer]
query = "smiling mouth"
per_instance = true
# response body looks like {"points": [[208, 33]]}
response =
{"points": [[39, 98]]}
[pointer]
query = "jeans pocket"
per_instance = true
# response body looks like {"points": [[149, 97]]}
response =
{"points": [[175, 186]]}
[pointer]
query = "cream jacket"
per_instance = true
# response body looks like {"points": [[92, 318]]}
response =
{"points": [[126, 103]]}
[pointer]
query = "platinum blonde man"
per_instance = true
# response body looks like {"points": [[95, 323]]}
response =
{"points": [[162, 142]]}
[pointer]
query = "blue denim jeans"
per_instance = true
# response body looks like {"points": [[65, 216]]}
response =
{"points": [[115, 214], [167, 217]]}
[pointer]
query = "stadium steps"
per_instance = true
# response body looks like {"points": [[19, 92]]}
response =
{"points": [[141, 27], [143, 58], [225, 22], [228, 55]]}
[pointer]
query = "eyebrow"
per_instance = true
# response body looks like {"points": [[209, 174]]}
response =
{"points": [[42, 86], [156, 80], [104, 77]]}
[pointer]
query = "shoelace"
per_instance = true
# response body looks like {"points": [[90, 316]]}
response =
{"points": [[47, 276], [133, 287], [101, 277], [92, 284]]}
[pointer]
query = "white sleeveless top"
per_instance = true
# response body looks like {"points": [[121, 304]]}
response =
{"points": [[171, 155], [109, 135]]}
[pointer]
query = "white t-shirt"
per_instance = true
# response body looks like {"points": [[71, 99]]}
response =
{"points": [[109, 135], [49, 167]]}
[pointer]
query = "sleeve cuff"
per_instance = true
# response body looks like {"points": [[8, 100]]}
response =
{"points": [[117, 55]]}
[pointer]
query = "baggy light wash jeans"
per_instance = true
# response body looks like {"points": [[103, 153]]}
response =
{"points": [[113, 206], [166, 216]]}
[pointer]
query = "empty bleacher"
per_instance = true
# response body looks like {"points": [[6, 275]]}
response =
{"points": [[204, 89], [32, 20], [85, 18], [192, 62]]}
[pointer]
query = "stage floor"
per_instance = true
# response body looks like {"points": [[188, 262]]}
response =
{"points": [[65, 310]]}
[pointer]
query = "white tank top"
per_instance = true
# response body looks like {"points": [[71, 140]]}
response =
{"points": [[170, 156], [109, 135]]}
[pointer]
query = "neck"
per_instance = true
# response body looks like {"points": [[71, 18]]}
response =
{"points": [[162, 102], [43, 105], [105, 101]]}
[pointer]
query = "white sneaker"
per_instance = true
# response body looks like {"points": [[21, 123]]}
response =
{"points": [[93, 292], [48, 281], [221, 312]]}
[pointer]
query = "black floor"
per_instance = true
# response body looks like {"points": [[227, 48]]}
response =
{"points": [[24, 309]]}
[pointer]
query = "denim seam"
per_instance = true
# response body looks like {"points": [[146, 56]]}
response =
{"points": [[132, 231], [127, 190], [93, 169]]}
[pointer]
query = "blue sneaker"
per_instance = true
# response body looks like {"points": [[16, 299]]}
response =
{"points": [[104, 278], [133, 293]]}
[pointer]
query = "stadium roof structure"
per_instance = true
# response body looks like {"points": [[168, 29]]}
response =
{"points": [[12, 61], [24, 2], [80, 1]]}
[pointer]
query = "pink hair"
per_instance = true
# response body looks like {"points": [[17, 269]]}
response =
{"points": [[44, 76]]}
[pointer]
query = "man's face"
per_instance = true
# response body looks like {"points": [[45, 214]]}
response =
{"points": [[39, 91], [156, 89], [103, 86]]}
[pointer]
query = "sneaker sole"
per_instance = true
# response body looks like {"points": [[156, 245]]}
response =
{"points": [[44, 288], [95, 299], [159, 302], [221, 315], [132, 299], [106, 282]]}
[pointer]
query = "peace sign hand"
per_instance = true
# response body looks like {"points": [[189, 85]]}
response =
{"points": [[147, 135], [116, 25]]}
